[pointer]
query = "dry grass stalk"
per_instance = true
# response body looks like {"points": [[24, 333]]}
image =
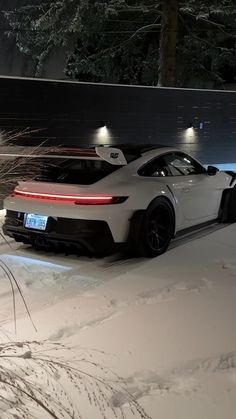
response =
{"points": [[31, 376]]}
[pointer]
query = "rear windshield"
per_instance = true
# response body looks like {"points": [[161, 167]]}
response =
{"points": [[73, 171]]}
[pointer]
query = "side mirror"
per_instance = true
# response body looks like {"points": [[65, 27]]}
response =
{"points": [[212, 170]]}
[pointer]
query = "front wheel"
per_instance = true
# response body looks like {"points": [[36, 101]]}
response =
{"points": [[228, 213], [154, 229]]}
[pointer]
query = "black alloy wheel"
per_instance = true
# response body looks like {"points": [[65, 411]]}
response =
{"points": [[158, 228]]}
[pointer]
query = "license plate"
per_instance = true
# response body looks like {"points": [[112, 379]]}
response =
{"points": [[36, 221]]}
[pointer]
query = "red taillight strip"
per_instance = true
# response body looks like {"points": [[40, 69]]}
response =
{"points": [[76, 199]]}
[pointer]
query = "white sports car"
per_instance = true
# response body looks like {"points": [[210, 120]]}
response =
{"points": [[133, 195]]}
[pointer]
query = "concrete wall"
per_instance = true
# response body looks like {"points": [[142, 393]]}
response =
{"points": [[70, 113]]}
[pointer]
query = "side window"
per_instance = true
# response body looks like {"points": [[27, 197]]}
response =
{"points": [[181, 164], [155, 168]]}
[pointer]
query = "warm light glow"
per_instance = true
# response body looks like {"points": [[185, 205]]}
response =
{"points": [[103, 130], [189, 134], [190, 130], [103, 135]]}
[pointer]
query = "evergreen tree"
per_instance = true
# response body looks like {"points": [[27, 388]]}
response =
{"points": [[170, 42]]}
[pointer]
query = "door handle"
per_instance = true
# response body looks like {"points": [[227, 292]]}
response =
{"points": [[186, 190]]}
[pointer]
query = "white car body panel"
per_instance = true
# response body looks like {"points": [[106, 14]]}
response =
{"points": [[199, 196], [195, 198]]}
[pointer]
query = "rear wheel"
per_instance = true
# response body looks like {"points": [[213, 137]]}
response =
{"points": [[153, 229]]}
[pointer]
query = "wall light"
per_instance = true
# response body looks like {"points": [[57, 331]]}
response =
{"points": [[189, 131], [102, 134], [190, 134], [102, 129]]}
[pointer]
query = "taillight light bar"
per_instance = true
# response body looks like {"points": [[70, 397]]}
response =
{"points": [[75, 199]]}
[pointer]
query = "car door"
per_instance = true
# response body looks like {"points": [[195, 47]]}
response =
{"points": [[197, 193]]}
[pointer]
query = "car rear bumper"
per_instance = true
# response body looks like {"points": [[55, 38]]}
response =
{"points": [[69, 233], [115, 216]]}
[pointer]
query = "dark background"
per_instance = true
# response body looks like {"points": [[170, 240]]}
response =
{"points": [[70, 113]]}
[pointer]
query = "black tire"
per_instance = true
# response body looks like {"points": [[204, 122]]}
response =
{"points": [[229, 206], [152, 230]]}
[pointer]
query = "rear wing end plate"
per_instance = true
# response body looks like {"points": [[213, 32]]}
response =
{"points": [[112, 155]]}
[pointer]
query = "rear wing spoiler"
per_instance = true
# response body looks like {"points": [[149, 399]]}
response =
{"points": [[112, 155]]}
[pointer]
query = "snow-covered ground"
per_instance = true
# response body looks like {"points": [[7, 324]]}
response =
{"points": [[166, 325]]}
